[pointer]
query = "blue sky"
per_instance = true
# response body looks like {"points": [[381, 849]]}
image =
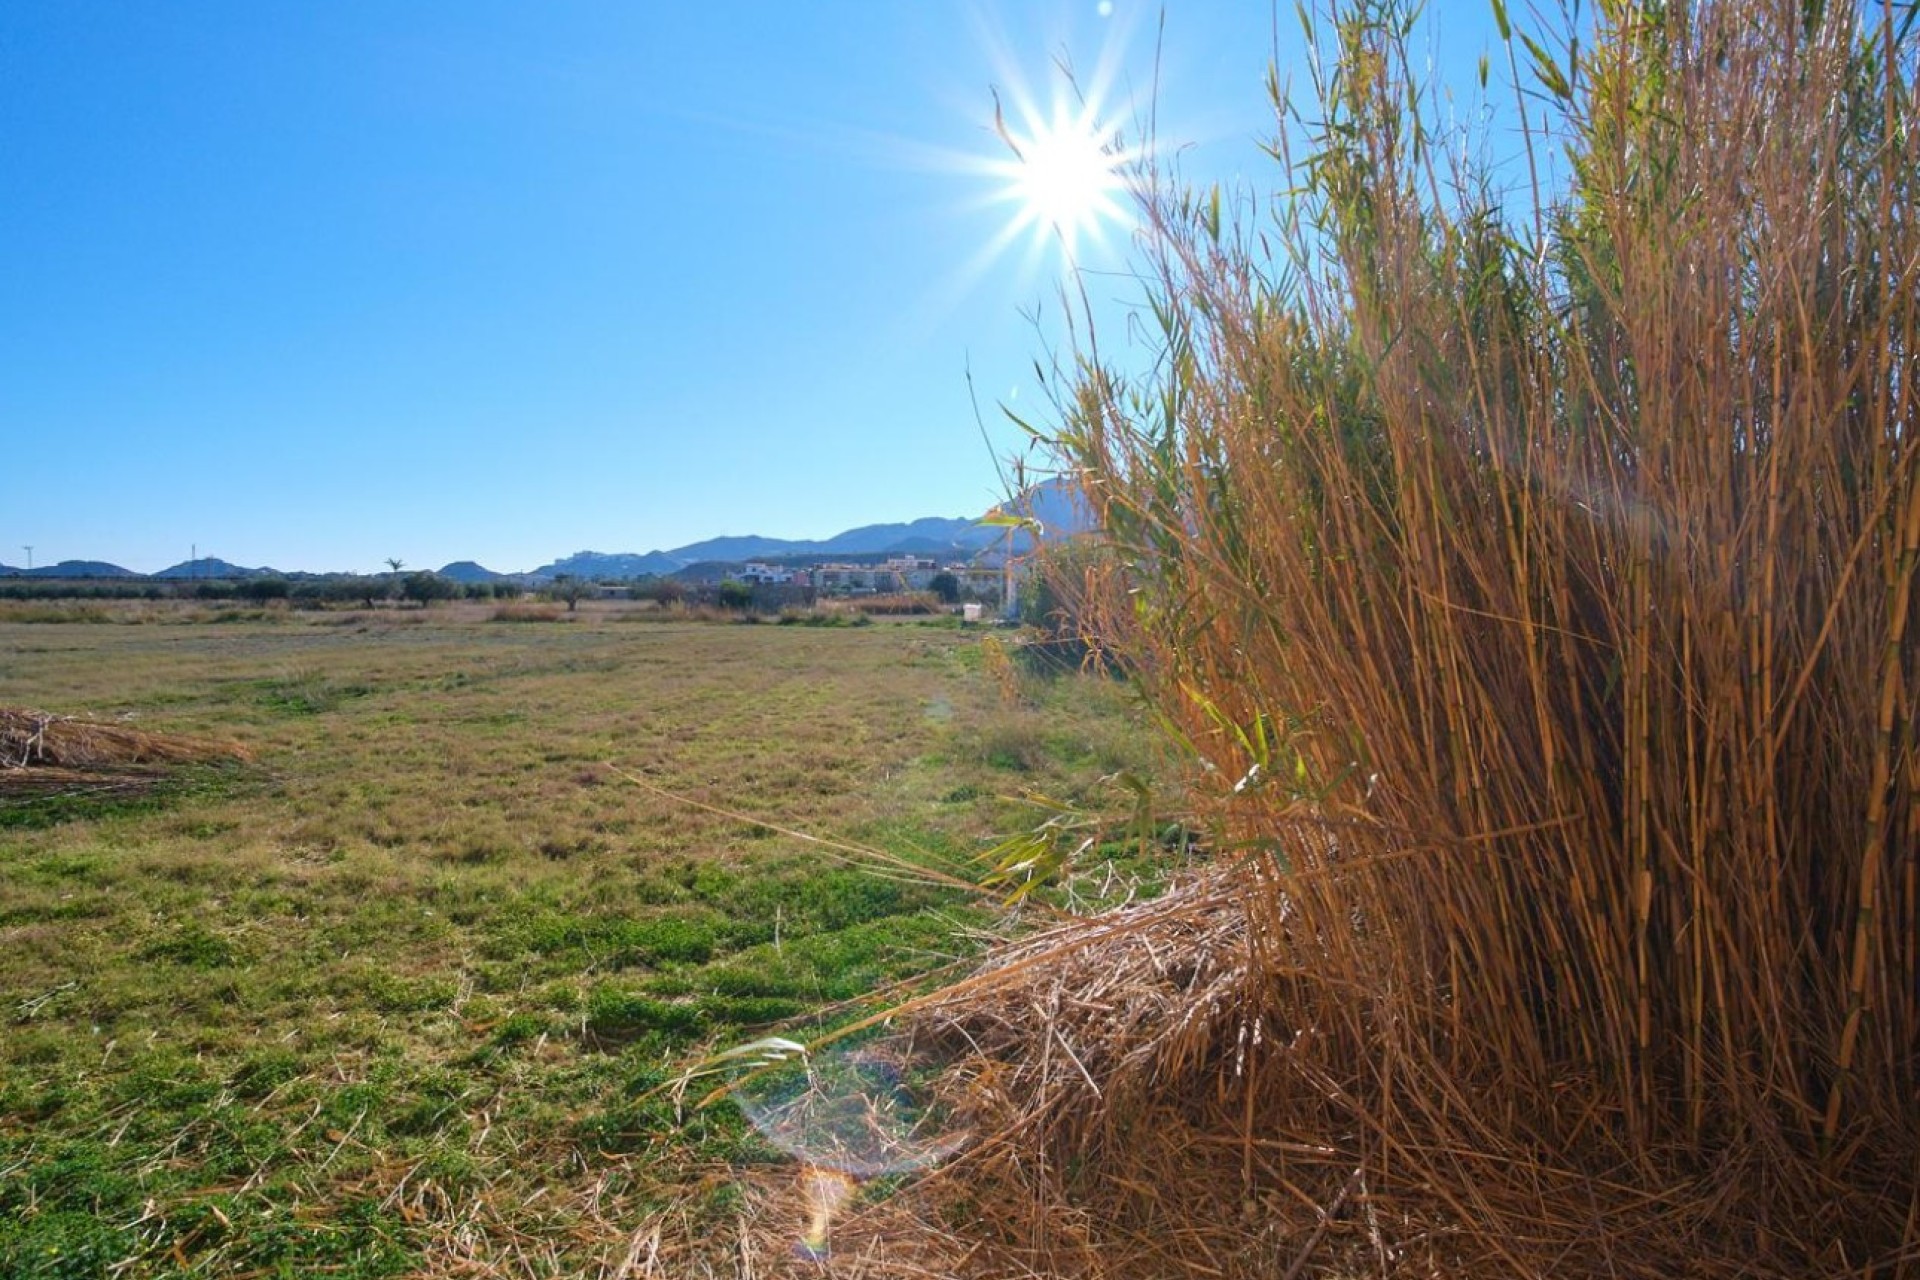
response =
{"points": [[313, 285]]}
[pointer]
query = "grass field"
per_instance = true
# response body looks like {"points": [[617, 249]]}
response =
{"points": [[388, 999]]}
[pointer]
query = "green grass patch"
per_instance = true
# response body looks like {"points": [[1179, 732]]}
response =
{"points": [[132, 793], [191, 946], [306, 693], [422, 951]]}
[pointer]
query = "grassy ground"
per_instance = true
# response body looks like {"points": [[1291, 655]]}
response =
{"points": [[389, 1000]]}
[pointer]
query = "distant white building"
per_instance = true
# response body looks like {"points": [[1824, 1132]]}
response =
{"points": [[755, 572], [913, 573]]}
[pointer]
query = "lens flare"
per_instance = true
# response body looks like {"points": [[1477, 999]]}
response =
{"points": [[851, 1113], [858, 1110], [826, 1190]]}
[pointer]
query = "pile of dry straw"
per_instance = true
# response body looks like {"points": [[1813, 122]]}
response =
{"points": [[41, 752]]}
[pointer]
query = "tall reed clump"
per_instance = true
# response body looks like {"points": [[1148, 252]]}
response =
{"points": [[1533, 577]]}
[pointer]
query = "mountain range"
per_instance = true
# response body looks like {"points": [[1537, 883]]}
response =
{"points": [[1054, 507]]}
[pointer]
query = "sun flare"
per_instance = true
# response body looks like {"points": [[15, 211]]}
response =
{"points": [[1065, 176], [1055, 174]]}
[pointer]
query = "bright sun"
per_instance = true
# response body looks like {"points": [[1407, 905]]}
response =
{"points": [[1057, 171], [1065, 174]]}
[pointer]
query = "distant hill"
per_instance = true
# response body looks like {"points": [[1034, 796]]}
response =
{"points": [[956, 537], [80, 569], [212, 567], [466, 571], [596, 564], [1056, 505], [749, 547], [930, 531], [708, 571]]}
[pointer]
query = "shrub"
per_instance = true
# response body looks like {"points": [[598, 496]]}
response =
{"points": [[570, 588], [662, 591], [897, 605], [425, 588], [346, 588], [518, 612]]}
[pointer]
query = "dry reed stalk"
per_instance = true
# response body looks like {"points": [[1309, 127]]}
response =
{"points": [[1560, 587]]}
